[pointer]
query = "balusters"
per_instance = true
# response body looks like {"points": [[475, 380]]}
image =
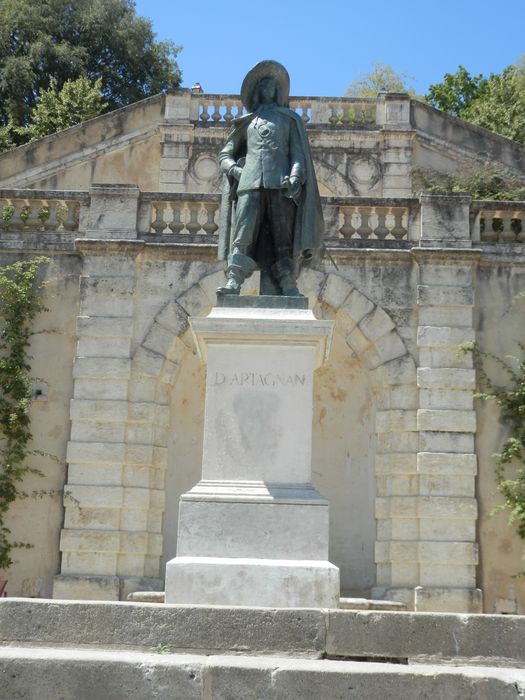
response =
{"points": [[39, 215], [303, 109], [158, 224], [350, 115], [519, 227], [49, 216], [502, 225], [220, 111], [192, 217], [345, 113], [507, 234], [193, 225], [176, 224], [216, 115], [381, 231], [364, 231], [398, 231], [347, 230], [228, 114], [32, 222], [373, 223], [70, 222], [209, 225]]}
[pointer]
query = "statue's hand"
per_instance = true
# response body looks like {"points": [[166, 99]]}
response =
{"points": [[236, 172], [294, 186]]}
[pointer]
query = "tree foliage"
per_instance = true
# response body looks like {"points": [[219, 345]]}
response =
{"points": [[456, 92], [480, 181], [501, 105], [382, 78], [77, 101], [496, 103], [63, 40]]}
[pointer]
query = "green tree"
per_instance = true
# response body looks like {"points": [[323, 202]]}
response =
{"points": [[64, 40], [77, 101], [496, 102], [381, 78], [456, 92], [501, 105]]}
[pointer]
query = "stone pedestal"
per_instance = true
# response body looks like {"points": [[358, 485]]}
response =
{"points": [[254, 531]]}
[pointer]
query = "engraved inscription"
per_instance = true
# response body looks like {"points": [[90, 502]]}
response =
{"points": [[258, 379]]}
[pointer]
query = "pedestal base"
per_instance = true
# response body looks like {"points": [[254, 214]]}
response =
{"points": [[254, 582], [254, 531]]}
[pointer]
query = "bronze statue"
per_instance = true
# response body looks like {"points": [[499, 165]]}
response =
{"points": [[271, 215]]}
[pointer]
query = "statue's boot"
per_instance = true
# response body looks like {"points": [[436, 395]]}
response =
{"points": [[286, 272], [234, 283], [240, 266]]}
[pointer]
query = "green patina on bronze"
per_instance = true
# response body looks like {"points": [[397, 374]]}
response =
{"points": [[271, 216]]}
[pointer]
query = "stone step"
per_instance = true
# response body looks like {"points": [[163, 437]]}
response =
{"points": [[43, 673], [344, 603], [370, 604], [493, 640]]}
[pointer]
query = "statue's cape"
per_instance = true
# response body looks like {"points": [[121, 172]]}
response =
{"points": [[309, 223]]}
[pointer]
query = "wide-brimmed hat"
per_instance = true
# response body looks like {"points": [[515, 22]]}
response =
{"points": [[265, 69]]}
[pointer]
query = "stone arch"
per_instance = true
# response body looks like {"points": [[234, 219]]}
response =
{"points": [[370, 334]]}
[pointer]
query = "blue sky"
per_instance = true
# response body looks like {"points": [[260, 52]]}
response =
{"points": [[327, 44]]}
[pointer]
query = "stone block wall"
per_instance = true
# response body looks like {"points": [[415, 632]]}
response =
{"points": [[407, 457]]}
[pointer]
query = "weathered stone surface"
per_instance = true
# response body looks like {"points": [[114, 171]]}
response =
{"points": [[335, 291], [162, 676], [443, 336], [446, 420], [430, 295], [412, 635], [264, 630], [180, 627], [446, 378]]}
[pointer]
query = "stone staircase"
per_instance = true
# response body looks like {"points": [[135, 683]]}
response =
{"points": [[69, 650]]}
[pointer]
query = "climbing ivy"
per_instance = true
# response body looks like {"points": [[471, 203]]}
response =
{"points": [[20, 301], [511, 400]]}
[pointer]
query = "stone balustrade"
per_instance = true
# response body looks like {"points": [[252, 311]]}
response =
{"points": [[350, 113], [498, 222], [194, 217], [164, 214], [348, 219], [41, 210], [359, 220]]}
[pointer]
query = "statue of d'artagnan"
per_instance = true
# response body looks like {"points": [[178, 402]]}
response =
{"points": [[271, 215]]}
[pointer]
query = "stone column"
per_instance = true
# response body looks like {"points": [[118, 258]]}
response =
{"points": [[254, 531], [446, 551]]}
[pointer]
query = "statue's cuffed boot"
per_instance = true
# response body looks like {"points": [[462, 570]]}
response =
{"points": [[286, 271], [234, 283], [240, 267]]}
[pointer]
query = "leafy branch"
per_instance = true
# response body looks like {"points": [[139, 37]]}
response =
{"points": [[511, 400], [20, 302]]}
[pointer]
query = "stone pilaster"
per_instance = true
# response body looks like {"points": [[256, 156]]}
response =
{"points": [[114, 499], [446, 553], [393, 117], [176, 140]]}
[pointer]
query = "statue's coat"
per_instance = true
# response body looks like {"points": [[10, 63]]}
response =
{"points": [[309, 224]]}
